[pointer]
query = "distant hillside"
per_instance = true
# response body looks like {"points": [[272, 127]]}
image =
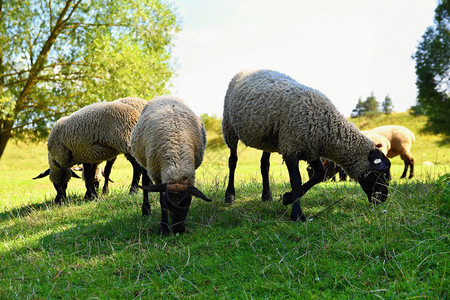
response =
{"points": [[415, 124]]}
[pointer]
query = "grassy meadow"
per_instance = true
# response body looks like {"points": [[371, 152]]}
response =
{"points": [[350, 249]]}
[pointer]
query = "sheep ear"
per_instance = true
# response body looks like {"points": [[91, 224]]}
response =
{"points": [[74, 174], [43, 174], [378, 160], [197, 193], [155, 187]]}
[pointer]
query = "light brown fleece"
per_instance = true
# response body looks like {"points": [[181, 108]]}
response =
{"points": [[401, 139], [169, 141], [380, 141], [93, 134]]}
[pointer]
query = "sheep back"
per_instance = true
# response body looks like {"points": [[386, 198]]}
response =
{"points": [[135, 102], [401, 139], [169, 141], [93, 134]]}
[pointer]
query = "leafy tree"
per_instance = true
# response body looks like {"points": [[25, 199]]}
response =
{"points": [[359, 110], [367, 107], [433, 71], [387, 105], [372, 104], [57, 56]]}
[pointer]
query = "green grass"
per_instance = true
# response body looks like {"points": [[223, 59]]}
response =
{"points": [[106, 249]]}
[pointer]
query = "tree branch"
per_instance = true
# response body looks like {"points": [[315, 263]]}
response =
{"points": [[37, 66]]}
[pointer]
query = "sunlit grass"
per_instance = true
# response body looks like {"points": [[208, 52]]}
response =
{"points": [[105, 249]]}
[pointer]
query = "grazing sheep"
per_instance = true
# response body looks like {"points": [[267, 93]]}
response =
{"points": [[270, 111], [401, 140], [168, 141], [91, 135], [380, 141]]}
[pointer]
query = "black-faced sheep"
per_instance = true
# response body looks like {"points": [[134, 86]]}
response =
{"points": [[270, 111], [93, 134], [400, 140], [169, 141]]}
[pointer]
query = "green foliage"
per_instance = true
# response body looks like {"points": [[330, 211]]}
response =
{"points": [[56, 57], [213, 125], [369, 107], [433, 70], [387, 105]]}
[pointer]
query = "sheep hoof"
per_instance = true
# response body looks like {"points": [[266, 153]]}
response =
{"points": [[145, 211], [133, 190], [287, 198], [229, 199], [90, 196], [164, 229], [267, 197], [295, 216]]}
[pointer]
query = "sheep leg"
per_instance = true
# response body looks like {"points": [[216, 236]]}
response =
{"points": [[106, 173], [319, 173], [405, 170], [409, 162], [145, 203], [342, 175], [232, 162], [137, 171], [411, 168], [265, 166], [296, 185], [164, 228], [89, 174]]}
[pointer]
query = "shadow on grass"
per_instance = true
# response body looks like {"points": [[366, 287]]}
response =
{"points": [[117, 219], [41, 206]]}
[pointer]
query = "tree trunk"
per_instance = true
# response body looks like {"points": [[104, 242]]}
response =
{"points": [[5, 134]]}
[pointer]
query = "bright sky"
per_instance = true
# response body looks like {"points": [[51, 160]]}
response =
{"points": [[344, 48]]}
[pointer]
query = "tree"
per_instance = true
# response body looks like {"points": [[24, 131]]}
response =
{"points": [[57, 56], [433, 71], [387, 106], [359, 110], [367, 107], [372, 105]]}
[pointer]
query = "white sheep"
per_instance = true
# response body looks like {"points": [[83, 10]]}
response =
{"points": [[400, 141], [169, 141], [89, 136], [380, 141], [270, 111]]}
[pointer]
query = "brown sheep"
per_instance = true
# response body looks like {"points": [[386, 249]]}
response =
{"points": [[401, 140]]}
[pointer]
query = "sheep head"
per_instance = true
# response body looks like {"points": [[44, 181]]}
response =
{"points": [[61, 184], [376, 181], [175, 199]]}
